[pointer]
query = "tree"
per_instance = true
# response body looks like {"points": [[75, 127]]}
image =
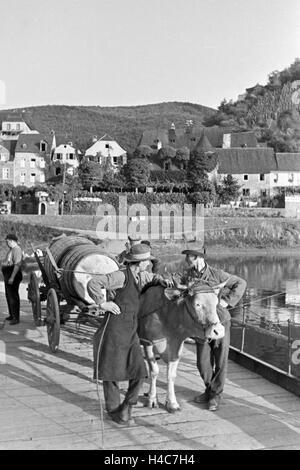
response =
{"points": [[137, 173], [90, 174], [228, 190], [200, 164], [183, 154], [143, 151], [166, 152]]}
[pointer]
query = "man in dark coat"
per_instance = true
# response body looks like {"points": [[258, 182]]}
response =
{"points": [[117, 352], [212, 358]]}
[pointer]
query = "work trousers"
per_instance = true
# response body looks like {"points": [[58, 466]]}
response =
{"points": [[212, 361], [12, 291], [112, 394]]}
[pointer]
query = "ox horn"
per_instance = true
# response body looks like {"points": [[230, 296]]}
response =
{"points": [[219, 287]]}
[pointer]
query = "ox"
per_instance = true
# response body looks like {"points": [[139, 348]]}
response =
{"points": [[166, 318]]}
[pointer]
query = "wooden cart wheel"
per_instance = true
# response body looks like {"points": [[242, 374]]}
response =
{"points": [[34, 298], [53, 320]]}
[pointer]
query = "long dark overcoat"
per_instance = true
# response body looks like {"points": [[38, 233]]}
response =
{"points": [[120, 355]]}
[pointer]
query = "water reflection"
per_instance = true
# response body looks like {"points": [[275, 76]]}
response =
{"points": [[273, 291]]}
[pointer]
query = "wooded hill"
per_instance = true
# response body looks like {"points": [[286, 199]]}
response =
{"points": [[271, 110], [124, 123]]}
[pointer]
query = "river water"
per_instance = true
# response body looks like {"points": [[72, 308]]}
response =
{"points": [[273, 285]]}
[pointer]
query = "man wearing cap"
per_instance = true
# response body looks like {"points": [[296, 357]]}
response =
{"points": [[12, 274], [212, 358], [117, 351], [132, 240]]}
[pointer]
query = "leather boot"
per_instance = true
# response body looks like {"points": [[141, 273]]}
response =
{"points": [[122, 416]]}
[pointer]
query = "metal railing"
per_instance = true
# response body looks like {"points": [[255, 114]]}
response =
{"points": [[274, 345]]}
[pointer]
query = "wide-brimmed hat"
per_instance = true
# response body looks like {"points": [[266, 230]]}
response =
{"points": [[199, 252], [11, 236], [138, 253]]}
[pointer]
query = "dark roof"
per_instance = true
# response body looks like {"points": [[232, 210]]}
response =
{"points": [[242, 139], [288, 161], [188, 137], [31, 143], [246, 160], [204, 145], [10, 145], [13, 118]]}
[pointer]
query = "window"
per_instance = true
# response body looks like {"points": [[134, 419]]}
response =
{"points": [[22, 163], [246, 192], [18, 127], [42, 178], [42, 163], [115, 160], [58, 156], [32, 163], [5, 173], [3, 158], [167, 166], [291, 177], [107, 146], [43, 146], [8, 127], [22, 176], [71, 156], [172, 141], [57, 171], [261, 177], [32, 177], [276, 178], [245, 177]]}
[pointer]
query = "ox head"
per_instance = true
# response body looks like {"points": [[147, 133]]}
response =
{"points": [[201, 302]]}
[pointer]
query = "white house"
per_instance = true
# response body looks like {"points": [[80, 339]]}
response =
{"points": [[251, 167], [66, 154], [104, 148], [287, 172], [12, 127]]}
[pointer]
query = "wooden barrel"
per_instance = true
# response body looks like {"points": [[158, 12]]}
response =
{"points": [[79, 258], [58, 248]]}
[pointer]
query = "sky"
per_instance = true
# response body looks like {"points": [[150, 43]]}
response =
{"points": [[135, 52]]}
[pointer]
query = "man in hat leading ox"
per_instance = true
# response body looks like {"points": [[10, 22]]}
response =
{"points": [[12, 274], [117, 351], [212, 358]]}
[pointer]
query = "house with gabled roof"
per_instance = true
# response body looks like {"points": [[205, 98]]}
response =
{"points": [[286, 174], [12, 126], [106, 148], [32, 154], [251, 167]]}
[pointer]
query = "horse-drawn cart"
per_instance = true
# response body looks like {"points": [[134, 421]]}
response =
{"points": [[66, 267]]}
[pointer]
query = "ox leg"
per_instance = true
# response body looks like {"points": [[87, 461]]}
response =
{"points": [[154, 370], [171, 401]]}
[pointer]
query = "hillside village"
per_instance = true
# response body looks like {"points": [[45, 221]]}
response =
{"points": [[245, 153], [29, 158]]}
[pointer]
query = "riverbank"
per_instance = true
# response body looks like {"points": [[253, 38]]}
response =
{"points": [[242, 237]]}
